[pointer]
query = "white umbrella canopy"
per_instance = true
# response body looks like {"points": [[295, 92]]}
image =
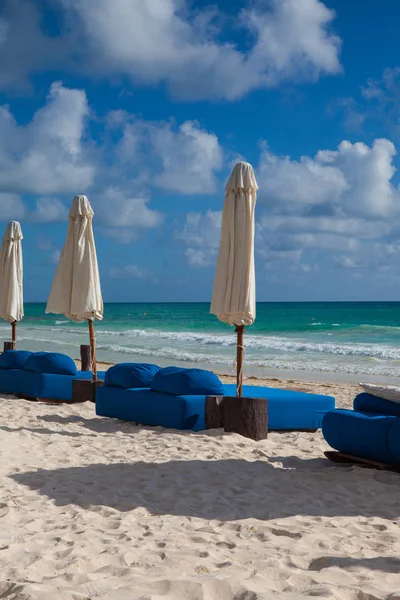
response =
{"points": [[234, 292], [11, 271], [76, 291]]}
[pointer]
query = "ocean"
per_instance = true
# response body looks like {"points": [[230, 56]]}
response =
{"points": [[349, 341]]}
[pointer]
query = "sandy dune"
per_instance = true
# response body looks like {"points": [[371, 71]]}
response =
{"points": [[95, 508]]}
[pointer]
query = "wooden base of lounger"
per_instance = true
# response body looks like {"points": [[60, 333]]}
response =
{"points": [[246, 416], [84, 390], [348, 459]]}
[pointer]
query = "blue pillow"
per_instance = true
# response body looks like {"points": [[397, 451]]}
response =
{"points": [[51, 362], [366, 403], [131, 375], [14, 359], [187, 382]]}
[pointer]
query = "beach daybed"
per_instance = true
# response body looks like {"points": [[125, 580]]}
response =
{"points": [[369, 434], [176, 398], [39, 375]]}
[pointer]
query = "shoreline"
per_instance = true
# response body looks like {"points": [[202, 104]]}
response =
{"points": [[307, 377]]}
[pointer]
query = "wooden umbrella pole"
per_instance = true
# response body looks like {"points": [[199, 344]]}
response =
{"points": [[93, 348], [14, 334], [239, 359]]}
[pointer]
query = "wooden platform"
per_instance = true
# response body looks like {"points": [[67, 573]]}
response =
{"points": [[246, 416], [347, 459], [83, 390]]}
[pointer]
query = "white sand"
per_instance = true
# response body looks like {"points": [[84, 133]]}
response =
{"points": [[96, 508]]}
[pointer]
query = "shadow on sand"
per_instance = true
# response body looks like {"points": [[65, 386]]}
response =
{"points": [[388, 564], [222, 489], [100, 424], [42, 430]]}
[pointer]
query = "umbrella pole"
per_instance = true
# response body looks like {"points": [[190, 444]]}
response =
{"points": [[93, 348], [14, 334], [239, 359]]}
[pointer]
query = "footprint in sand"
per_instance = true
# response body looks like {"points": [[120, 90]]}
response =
{"points": [[226, 545], [10, 589], [284, 533]]}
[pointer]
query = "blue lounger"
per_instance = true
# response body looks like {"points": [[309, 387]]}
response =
{"points": [[176, 399], [40, 375], [371, 431], [145, 407]]}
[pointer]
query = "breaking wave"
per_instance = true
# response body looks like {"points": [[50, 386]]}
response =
{"points": [[192, 341]]}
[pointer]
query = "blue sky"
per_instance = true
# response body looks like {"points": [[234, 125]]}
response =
{"points": [[146, 105]]}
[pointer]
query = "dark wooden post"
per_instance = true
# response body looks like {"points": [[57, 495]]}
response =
{"points": [[239, 359], [93, 349], [9, 346], [86, 358], [214, 415], [246, 416], [14, 334], [85, 390]]}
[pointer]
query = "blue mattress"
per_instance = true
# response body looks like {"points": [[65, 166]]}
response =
{"points": [[287, 409], [151, 408], [41, 385]]}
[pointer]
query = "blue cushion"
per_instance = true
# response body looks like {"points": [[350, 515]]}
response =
{"points": [[10, 380], [288, 409], [360, 434], [145, 407], [51, 362], [14, 359], [50, 386], [394, 440], [372, 404], [181, 382], [131, 375]]}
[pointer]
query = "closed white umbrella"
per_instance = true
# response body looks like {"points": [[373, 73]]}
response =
{"points": [[234, 293], [11, 296], [76, 291]]}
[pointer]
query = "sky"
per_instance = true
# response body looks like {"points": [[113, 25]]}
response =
{"points": [[145, 106]]}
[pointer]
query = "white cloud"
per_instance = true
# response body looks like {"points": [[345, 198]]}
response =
{"points": [[164, 41], [44, 243], [346, 261], [11, 207], [24, 48], [185, 158], [131, 272], [198, 257], [54, 257], [293, 41], [201, 234], [49, 210], [339, 206], [123, 216], [339, 203], [378, 105], [46, 155], [355, 179], [201, 229]]}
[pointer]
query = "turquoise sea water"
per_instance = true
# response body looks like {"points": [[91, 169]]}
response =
{"points": [[352, 340]]}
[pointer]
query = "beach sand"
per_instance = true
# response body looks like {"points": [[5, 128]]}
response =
{"points": [[97, 508]]}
